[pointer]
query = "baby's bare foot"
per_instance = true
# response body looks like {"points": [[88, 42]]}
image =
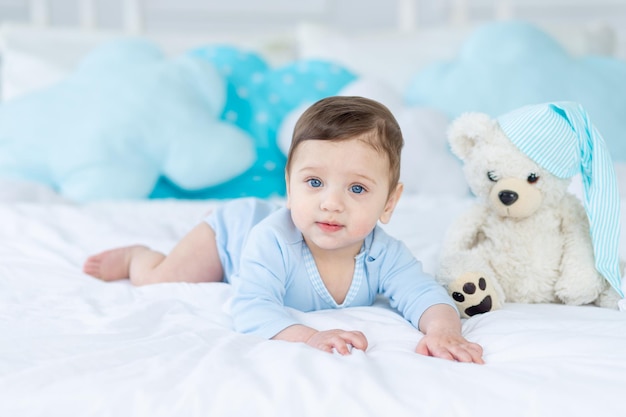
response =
{"points": [[111, 265]]}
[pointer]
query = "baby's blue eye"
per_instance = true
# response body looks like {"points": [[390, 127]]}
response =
{"points": [[315, 183], [357, 189]]}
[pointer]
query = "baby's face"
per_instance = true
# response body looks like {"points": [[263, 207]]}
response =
{"points": [[337, 191]]}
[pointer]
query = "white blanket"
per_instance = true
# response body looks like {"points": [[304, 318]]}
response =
{"points": [[71, 345]]}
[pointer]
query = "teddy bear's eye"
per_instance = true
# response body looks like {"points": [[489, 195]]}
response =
{"points": [[492, 176], [532, 178]]}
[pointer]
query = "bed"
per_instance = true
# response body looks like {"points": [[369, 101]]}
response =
{"points": [[73, 345]]}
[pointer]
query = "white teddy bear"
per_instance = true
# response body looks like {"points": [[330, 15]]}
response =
{"points": [[527, 239]]}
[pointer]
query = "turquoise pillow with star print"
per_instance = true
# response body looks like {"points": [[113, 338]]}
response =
{"points": [[258, 99]]}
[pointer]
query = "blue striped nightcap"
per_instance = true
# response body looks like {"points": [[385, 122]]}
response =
{"points": [[560, 137]]}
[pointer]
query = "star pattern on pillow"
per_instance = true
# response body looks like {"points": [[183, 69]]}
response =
{"points": [[258, 98]]}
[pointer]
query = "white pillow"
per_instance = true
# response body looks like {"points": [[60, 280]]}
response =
{"points": [[16, 190], [396, 57], [391, 57], [36, 57]]}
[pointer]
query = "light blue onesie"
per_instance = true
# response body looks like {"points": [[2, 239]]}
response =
{"points": [[270, 267]]}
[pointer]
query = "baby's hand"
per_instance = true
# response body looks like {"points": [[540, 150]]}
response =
{"points": [[451, 346], [339, 340]]}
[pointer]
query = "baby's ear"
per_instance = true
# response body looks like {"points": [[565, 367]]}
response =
{"points": [[468, 129], [391, 203], [288, 203]]}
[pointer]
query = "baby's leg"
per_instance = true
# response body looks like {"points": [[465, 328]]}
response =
{"points": [[113, 264], [193, 259]]}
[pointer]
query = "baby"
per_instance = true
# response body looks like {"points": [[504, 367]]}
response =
{"points": [[323, 250]]}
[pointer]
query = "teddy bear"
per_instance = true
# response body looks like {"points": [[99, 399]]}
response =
{"points": [[527, 238]]}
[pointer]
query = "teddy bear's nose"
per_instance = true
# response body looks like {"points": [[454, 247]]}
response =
{"points": [[508, 197]]}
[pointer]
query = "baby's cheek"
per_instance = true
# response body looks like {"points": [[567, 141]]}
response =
{"points": [[362, 227]]}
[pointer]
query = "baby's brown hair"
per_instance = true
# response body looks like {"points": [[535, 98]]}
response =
{"points": [[351, 117]]}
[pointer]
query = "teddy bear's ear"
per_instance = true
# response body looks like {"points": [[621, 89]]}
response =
{"points": [[466, 130]]}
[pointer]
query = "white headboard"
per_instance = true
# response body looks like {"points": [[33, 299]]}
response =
{"points": [[136, 16]]}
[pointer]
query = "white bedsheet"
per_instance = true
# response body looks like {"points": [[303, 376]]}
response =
{"points": [[71, 345]]}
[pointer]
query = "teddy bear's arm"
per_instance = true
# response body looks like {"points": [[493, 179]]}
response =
{"points": [[466, 232], [579, 281], [466, 275]]}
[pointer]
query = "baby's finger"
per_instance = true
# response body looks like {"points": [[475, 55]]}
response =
{"points": [[461, 355], [356, 339], [469, 353], [476, 352], [340, 345], [426, 348], [422, 348], [442, 353]]}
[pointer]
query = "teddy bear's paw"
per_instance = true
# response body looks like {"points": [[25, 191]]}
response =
{"points": [[579, 289], [608, 298], [474, 294]]}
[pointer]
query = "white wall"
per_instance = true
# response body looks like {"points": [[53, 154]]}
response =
{"points": [[350, 15]]}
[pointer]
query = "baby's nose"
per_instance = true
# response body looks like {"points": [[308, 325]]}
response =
{"points": [[332, 201]]}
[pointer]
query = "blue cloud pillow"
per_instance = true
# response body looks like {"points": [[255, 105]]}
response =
{"points": [[125, 118], [505, 65]]}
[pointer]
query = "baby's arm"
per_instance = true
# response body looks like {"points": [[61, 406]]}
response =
{"points": [[324, 340], [441, 326], [258, 304], [426, 304]]}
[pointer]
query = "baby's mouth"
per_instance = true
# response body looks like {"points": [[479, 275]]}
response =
{"points": [[329, 227]]}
